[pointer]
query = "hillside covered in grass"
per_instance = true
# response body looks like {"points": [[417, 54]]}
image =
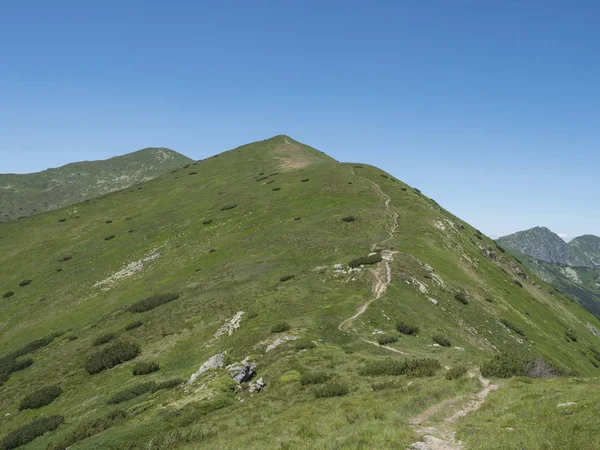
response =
{"points": [[34, 193], [266, 297]]}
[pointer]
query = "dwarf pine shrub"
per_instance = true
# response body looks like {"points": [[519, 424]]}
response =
{"points": [[144, 368], [24, 283], [461, 297], [424, 367], [276, 189], [108, 238], [304, 344], [40, 397], [207, 221], [280, 327], [441, 340], [110, 356], [456, 372], [270, 182], [89, 428], [153, 301], [365, 260], [304, 180], [104, 339], [131, 392], [8, 294], [261, 178], [27, 433], [286, 278], [332, 389], [62, 220], [571, 335], [386, 339], [228, 207], [133, 325], [407, 329], [65, 258], [513, 327], [108, 221], [314, 378], [348, 219]]}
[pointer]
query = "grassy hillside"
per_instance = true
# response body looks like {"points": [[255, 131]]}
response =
{"points": [[245, 258], [24, 195]]}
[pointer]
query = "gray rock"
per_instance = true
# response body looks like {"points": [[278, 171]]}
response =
{"points": [[257, 386], [244, 373], [213, 362]]}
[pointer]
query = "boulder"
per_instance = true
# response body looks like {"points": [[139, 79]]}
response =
{"points": [[243, 373], [213, 362], [257, 386]]}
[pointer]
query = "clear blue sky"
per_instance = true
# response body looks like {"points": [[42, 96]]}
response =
{"points": [[492, 108]]}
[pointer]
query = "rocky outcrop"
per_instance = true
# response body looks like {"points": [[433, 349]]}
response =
{"points": [[242, 373], [257, 386], [214, 362]]}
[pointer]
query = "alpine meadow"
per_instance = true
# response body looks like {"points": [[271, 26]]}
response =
{"points": [[272, 297]]}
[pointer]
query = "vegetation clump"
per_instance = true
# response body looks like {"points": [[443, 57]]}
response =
{"points": [[143, 388], [104, 339], [153, 301], [304, 180], [261, 178], [365, 260], [286, 278], [461, 297], [89, 428], [280, 327], [407, 329], [144, 368], [332, 389], [348, 219], [228, 207], [304, 344], [518, 283], [207, 221], [108, 238], [276, 189], [513, 327], [8, 294], [65, 258], [27, 433], [24, 283], [386, 339], [111, 356], [40, 397], [456, 372], [441, 340], [424, 367], [314, 378], [133, 325], [571, 335]]}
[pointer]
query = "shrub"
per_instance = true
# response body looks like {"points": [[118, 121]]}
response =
{"points": [[89, 428], [384, 176], [228, 207], [456, 372], [314, 378], [424, 367], [193, 173], [40, 397], [108, 221], [499, 247], [513, 327], [595, 353], [212, 250], [24, 283], [110, 356], [108, 238], [296, 218], [62, 220], [385, 340], [168, 384], [404, 189], [280, 327], [27, 433], [461, 297], [348, 219], [304, 344], [286, 277], [132, 392], [273, 174], [441, 340], [478, 236], [290, 376], [152, 302], [65, 258], [505, 365], [518, 283], [407, 329], [104, 339], [261, 178], [276, 189], [144, 368], [37, 344], [270, 182], [8, 294], [489, 299], [365, 260], [133, 325], [332, 389], [304, 180]]}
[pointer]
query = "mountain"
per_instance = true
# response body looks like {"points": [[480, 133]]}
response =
{"points": [[272, 297], [24, 195], [543, 244]]}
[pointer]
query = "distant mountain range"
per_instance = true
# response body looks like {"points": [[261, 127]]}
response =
{"points": [[28, 194], [573, 268]]}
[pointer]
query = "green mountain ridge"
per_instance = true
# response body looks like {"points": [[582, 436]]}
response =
{"points": [[272, 297], [27, 194]]}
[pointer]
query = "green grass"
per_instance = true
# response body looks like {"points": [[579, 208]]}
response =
{"points": [[257, 242]]}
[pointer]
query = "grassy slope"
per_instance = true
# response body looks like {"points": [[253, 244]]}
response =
{"points": [[255, 244], [23, 195]]}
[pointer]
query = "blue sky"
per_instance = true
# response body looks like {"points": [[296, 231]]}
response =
{"points": [[490, 108]]}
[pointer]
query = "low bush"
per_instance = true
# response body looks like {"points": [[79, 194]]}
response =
{"points": [[131, 393], [407, 329], [212, 250], [513, 327], [261, 178], [24, 283], [37, 344], [62, 220], [273, 174], [441, 340], [65, 258], [207, 221], [304, 180], [153, 301], [133, 325], [304, 344], [571, 335], [461, 297], [290, 376], [404, 189], [314, 378], [276, 189], [286, 277], [228, 207], [385, 340], [595, 353], [27, 433], [348, 219], [296, 218], [110, 356], [8, 294], [332, 389], [424, 367], [144, 368], [108, 238], [499, 247], [193, 173], [104, 339], [40, 397], [489, 299], [505, 365], [280, 327], [384, 176], [108, 221], [518, 283], [456, 372], [270, 182], [89, 428], [168, 384], [365, 260]]}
